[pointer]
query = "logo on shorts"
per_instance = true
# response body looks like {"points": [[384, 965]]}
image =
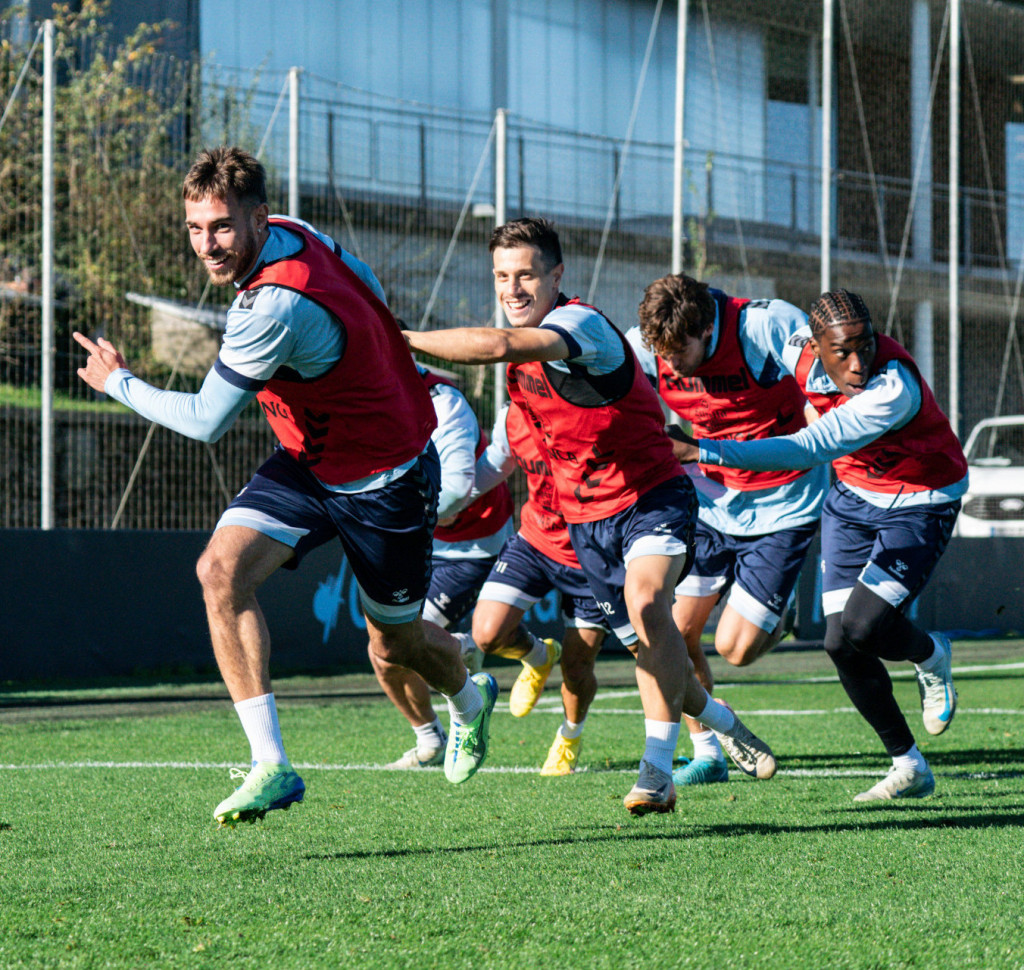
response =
{"points": [[900, 568], [443, 599], [400, 596]]}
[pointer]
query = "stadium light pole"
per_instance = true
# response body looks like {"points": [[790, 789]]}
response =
{"points": [[293, 142], [679, 149], [46, 260], [500, 216], [826, 146], [954, 215]]}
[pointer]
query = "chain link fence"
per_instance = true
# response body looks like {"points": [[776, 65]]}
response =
{"points": [[409, 188]]}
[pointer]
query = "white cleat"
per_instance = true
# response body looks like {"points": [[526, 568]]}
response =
{"points": [[418, 758], [900, 783], [938, 695]]}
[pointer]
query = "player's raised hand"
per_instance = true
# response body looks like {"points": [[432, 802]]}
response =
{"points": [[104, 358]]}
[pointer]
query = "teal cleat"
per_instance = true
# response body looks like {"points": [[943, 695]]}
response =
{"points": [[266, 787], [467, 743], [701, 771]]}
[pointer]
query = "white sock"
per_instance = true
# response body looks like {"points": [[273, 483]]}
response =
{"points": [[717, 716], [938, 655], [912, 759], [570, 729], [431, 736], [259, 721], [705, 745], [466, 704], [538, 655], [660, 749], [466, 644]]}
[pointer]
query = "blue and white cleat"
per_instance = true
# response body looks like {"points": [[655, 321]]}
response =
{"points": [[900, 783], [938, 695]]}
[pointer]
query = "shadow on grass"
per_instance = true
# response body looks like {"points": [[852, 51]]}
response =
{"points": [[958, 763], [872, 817]]}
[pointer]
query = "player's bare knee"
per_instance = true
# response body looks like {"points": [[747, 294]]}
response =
{"points": [[740, 654], [394, 645], [489, 634], [216, 576]]}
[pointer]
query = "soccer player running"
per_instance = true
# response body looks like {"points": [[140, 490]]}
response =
{"points": [[701, 349], [310, 336], [467, 540], [537, 560], [886, 521], [630, 508]]}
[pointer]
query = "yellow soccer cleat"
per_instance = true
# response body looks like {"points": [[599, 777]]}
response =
{"points": [[562, 757], [530, 683]]}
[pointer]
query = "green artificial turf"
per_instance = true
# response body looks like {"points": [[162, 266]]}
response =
{"points": [[109, 856]]}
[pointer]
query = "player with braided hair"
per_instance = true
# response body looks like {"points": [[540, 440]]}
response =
{"points": [[886, 521]]}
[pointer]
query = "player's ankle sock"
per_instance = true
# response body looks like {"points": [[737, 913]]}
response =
{"points": [[466, 644], [538, 655], [911, 759], [259, 721], [938, 655], [431, 735], [570, 729], [717, 716], [466, 704], [660, 748], [705, 745]]}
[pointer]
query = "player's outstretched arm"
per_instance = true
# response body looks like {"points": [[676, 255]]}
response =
{"points": [[204, 416], [488, 345]]}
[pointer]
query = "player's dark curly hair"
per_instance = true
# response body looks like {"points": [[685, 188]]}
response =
{"points": [[673, 308], [529, 232], [837, 308], [227, 170]]}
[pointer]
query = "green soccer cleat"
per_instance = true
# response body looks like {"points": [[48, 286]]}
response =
{"points": [[266, 787], [467, 743]]}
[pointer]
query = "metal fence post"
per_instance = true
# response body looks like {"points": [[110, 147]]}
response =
{"points": [[500, 215], [46, 376], [293, 142], [954, 215], [826, 146]]}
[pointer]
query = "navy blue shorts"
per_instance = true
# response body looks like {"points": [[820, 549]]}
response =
{"points": [[891, 551], [522, 575], [454, 588], [762, 570], [660, 523], [386, 533]]}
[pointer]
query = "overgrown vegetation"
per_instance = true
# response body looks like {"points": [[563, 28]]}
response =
{"points": [[124, 117]]}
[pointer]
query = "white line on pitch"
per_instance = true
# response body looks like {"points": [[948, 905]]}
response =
{"points": [[507, 770]]}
